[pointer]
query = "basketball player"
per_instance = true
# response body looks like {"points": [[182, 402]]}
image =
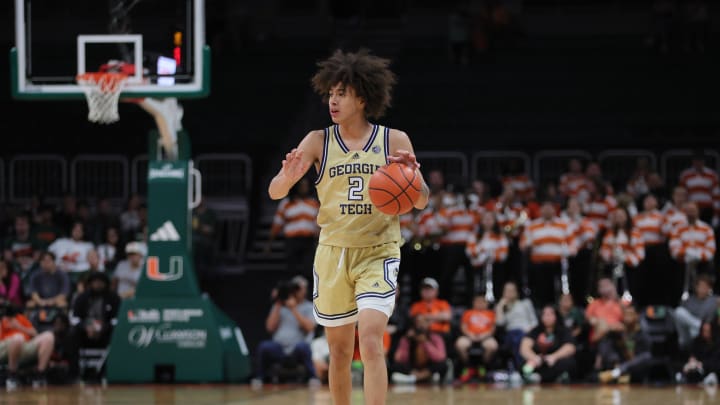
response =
{"points": [[358, 255]]}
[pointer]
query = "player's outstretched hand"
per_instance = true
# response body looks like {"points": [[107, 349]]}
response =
{"points": [[293, 166], [405, 157]]}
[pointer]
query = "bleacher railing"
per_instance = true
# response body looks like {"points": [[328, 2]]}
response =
{"points": [[138, 175], [490, 165], [618, 165], [94, 176], [549, 165], [41, 175], [454, 165], [227, 181], [674, 161]]}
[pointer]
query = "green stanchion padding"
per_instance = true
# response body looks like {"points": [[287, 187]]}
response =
{"points": [[168, 324]]}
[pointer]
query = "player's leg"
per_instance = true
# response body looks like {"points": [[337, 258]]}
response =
{"points": [[341, 341], [371, 327]]}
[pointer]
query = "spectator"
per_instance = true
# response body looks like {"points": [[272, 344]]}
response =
{"points": [[10, 286], [604, 313], [321, 357], [22, 250], [105, 219], [436, 311], [625, 356], [436, 182], [703, 188], [204, 222], [130, 220], [458, 224], [67, 217], [110, 252], [654, 273], [517, 316], [656, 187], [550, 242], [698, 308], [548, 350], [72, 252], [674, 211], [95, 266], [693, 243], [291, 324], [20, 343], [623, 245], [489, 250], [704, 361], [572, 316], [296, 219], [50, 287], [476, 345], [65, 352], [127, 273], [574, 183], [420, 355], [599, 204], [94, 311], [637, 185], [584, 233], [517, 180], [45, 231]]}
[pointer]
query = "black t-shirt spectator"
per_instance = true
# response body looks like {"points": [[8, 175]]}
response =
{"points": [[547, 343], [50, 285]]}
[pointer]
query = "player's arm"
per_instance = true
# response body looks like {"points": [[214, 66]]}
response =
{"points": [[401, 151], [296, 164]]}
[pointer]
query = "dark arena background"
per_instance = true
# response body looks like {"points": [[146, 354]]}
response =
{"points": [[571, 149]]}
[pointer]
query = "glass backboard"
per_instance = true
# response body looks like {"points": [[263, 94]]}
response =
{"points": [[163, 41]]}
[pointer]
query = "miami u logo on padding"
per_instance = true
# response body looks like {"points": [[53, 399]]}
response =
{"points": [[153, 269]]}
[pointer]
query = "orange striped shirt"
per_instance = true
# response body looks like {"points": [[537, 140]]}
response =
{"points": [[491, 246], [520, 183], [407, 226], [650, 225], [549, 241], [674, 217], [632, 247], [583, 231], [460, 224], [598, 211], [702, 186], [296, 218], [698, 238], [428, 224], [573, 184], [507, 216]]}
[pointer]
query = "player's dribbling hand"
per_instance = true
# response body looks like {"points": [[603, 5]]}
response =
{"points": [[293, 165], [405, 157]]}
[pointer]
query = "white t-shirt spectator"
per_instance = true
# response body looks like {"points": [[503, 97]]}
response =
{"points": [[127, 277], [71, 254]]}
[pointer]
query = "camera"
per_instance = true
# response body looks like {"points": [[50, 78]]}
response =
{"points": [[285, 289]]}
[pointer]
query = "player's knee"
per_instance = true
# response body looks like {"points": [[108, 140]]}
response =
{"points": [[371, 345], [341, 353]]}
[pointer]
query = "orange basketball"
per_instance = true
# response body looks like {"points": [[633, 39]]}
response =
{"points": [[394, 188]]}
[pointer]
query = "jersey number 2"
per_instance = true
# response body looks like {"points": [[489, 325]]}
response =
{"points": [[356, 188]]}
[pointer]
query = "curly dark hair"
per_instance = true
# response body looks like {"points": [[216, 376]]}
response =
{"points": [[367, 74]]}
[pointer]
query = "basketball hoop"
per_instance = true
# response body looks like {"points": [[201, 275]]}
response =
{"points": [[102, 91]]}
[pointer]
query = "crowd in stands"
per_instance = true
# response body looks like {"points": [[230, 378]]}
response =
{"points": [[582, 280], [63, 273]]}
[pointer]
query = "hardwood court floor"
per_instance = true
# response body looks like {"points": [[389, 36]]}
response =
{"points": [[291, 395]]}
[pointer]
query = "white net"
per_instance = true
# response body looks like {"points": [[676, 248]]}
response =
{"points": [[102, 91]]}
